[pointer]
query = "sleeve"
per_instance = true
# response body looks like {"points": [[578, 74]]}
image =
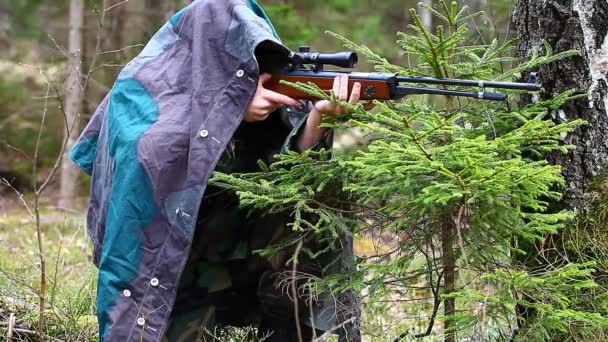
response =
{"points": [[296, 118]]}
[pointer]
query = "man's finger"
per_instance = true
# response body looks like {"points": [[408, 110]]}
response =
{"points": [[264, 77], [355, 94], [259, 116], [280, 99], [266, 105], [336, 86], [262, 116], [343, 95]]}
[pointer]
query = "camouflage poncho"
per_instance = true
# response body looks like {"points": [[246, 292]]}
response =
{"points": [[151, 147]]}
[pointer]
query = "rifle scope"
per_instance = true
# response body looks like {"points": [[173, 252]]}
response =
{"points": [[339, 59]]}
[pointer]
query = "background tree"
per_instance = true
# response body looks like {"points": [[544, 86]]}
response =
{"points": [[73, 103], [580, 25]]}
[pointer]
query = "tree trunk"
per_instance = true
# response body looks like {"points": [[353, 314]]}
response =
{"points": [[116, 20], [449, 278], [73, 103], [426, 15], [571, 25], [5, 27], [118, 17], [350, 332], [581, 25], [155, 12]]}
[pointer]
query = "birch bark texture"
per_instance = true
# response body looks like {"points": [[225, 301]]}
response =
{"points": [[73, 103], [565, 25]]}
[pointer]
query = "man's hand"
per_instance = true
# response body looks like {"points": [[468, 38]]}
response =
{"points": [[312, 133], [266, 101], [340, 88]]}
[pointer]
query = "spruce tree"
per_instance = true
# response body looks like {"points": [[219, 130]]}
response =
{"points": [[449, 191]]}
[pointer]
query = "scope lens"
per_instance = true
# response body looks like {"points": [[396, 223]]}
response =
{"points": [[339, 59]]}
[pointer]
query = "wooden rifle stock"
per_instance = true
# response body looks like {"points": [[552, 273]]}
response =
{"points": [[372, 88]]}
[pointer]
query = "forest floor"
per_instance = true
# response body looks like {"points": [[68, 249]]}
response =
{"points": [[71, 276]]}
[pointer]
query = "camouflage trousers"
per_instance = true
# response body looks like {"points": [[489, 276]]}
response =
{"points": [[210, 293], [198, 313], [224, 283], [192, 326]]}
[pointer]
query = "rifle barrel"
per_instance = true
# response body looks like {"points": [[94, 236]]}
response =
{"points": [[468, 83], [482, 95]]}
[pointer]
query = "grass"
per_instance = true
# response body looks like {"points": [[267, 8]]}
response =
{"points": [[71, 277]]}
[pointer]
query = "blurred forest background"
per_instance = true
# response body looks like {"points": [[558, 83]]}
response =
{"points": [[48, 49]]}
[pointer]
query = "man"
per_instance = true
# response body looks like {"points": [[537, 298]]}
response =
{"points": [[192, 102], [223, 280]]}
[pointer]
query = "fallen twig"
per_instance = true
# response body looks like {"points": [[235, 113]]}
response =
{"points": [[330, 331], [31, 333]]}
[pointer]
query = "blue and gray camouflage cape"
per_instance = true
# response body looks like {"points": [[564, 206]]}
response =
{"points": [[151, 147]]}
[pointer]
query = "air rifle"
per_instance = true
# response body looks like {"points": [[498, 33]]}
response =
{"points": [[378, 86]]}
